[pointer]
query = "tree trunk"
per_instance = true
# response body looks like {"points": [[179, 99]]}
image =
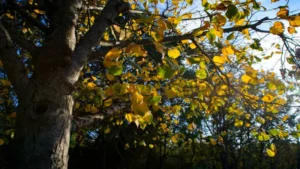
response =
{"points": [[43, 125]]}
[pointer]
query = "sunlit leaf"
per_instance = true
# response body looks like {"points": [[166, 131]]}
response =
{"points": [[201, 73], [270, 153], [173, 53]]}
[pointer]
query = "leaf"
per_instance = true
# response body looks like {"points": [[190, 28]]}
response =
{"points": [[107, 102], [230, 36], [151, 145], [283, 13], [213, 142], [192, 46], [238, 123], [165, 71], [107, 130], [274, 132], [219, 60], [133, 6], [268, 98], [284, 118], [1, 142], [5, 82], [231, 12], [245, 78], [115, 70], [129, 117], [91, 86], [163, 126], [291, 30], [201, 74], [174, 139], [137, 98], [190, 2], [173, 53], [294, 21], [154, 100], [148, 117], [270, 153], [227, 50], [191, 126], [277, 28]]}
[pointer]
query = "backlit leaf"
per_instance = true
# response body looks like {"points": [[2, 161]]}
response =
{"points": [[173, 53]]}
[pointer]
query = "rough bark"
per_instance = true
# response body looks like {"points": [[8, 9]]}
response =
{"points": [[43, 126]]}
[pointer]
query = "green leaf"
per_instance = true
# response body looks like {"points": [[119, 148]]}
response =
{"points": [[115, 70], [230, 37], [154, 100], [232, 11], [274, 132], [165, 71], [201, 74]]}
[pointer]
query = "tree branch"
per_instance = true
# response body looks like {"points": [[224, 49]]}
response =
{"points": [[92, 119], [28, 17], [24, 43], [182, 37], [100, 53], [15, 68], [91, 39]]}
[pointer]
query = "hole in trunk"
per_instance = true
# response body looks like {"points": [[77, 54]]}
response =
{"points": [[41, 107]]}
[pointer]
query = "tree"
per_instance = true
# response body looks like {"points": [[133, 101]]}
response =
{"points": [[50, 48]]}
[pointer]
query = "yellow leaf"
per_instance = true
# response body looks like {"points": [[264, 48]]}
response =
{"points": [[129, 117], [137, 98], [107, 130], [5, 82], [270, 153], [91, 86], [119, 122], [192, 46], [283, 13], [284, 118], [192, 126], [227, 50], [9, 16], [294, 21], [219, 60], [174, 139], [110, 77], [30, 2], [272, 146], [245, 32], [238, 123], [292, 30], [151, 145], [1, 141], [148, 117], [107, 102], [163, 126], [24, 30], [277, 28], [133, 6], [39, 11], [173, 53], [94, 78], [268, 98], [213, 142], [246, 78]]}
